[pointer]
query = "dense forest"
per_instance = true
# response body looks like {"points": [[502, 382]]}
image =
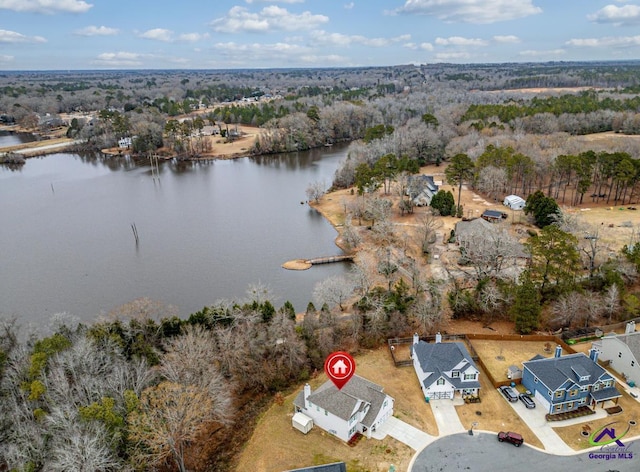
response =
{"points": [[146, 390]]}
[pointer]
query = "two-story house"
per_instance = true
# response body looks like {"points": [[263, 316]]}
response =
{"points": [[359, 406], [566, 383], [444, 369], [623, 353]]}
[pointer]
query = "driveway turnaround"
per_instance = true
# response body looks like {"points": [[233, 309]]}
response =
{"points": [[482, 452], [403, 432], [536, 421]]}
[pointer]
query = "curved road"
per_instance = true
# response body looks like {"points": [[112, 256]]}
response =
{"points": [[482, 452]]}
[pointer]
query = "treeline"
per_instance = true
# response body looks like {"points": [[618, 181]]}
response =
{"points": [[584, 102], [133, 393]]}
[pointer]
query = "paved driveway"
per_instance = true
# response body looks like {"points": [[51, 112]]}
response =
{"points": [[403, 432], [446, 417], [535, 419]]}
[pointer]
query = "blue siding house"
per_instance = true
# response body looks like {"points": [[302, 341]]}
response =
{"points": [[566, 383]]}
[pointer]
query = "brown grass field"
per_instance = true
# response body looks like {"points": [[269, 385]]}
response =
{"points": [[293, 449], [275, 446], [498, 356]]}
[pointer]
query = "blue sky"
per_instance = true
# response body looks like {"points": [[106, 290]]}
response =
{"points": [[223, 34]]}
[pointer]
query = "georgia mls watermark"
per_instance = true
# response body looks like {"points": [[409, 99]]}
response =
{"points": [[609, 438]]}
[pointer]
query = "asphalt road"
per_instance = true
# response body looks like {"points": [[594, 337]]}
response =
{"points": [[482, 452]]}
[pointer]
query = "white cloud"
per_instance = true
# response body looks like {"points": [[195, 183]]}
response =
{"points": [[120, 59], [344, 40], [271, 18], [625, 15], [7, 36], [46, 6], [460, 41], [610, 42], [452, 56], [327, 59], [349, 6], [5, 58], [275, 53], [471, 11], [274, 1], [158, 34], [536, 53], [193, 37], [96, 31], [508, 39]]}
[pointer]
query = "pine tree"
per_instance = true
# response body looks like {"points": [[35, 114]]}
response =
{"points": [[526, 308]]}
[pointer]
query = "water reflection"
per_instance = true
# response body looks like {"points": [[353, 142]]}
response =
{"points": [[208, 229]]}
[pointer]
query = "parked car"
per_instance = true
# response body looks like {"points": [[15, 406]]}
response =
{"points": [[513, 438], [509, 393], [527, 400]]}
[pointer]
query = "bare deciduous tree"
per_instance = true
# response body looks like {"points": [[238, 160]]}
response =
{"points": [[334, 291], [168, 419], [315, 191], [492, 252]]}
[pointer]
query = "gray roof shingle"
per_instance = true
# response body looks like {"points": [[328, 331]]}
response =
{"points": [[554, 372], [443, 357], [355, 395]]}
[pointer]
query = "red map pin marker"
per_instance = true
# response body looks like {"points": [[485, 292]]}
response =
{"points": [[340, 367]]}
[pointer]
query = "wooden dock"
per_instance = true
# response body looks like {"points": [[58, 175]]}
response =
{"points": [[303, 264], [329, 259]]}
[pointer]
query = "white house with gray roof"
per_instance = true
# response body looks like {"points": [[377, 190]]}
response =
{"points": [[623, 353], [359, 407], [444, 369]]}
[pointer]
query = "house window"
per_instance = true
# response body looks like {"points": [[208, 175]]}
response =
{"points": [[558, 407], [352, 431], [620, 354], [384, 404], [596, 387], [469, 376], [326, 413], [573, 392], [633, 363], [585, 388], [559, 394], [569, 405], [582, 401], [455, 374], [440, 381], [535, 379]]}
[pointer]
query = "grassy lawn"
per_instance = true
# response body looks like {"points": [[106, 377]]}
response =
{"points": [[275, 446]]}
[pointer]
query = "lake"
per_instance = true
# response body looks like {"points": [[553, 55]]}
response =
{"points": [[207, 231]]}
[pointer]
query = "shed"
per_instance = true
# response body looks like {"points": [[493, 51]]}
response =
{"points": [[514, 372], [302, 422], [493, 215], [514, 202]]}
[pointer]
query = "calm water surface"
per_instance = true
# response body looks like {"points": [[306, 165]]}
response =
{"points": [[207, 231]]}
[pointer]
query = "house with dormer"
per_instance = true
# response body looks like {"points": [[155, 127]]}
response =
{"points": [[566, 383], [444, 370], [360, 406]]}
